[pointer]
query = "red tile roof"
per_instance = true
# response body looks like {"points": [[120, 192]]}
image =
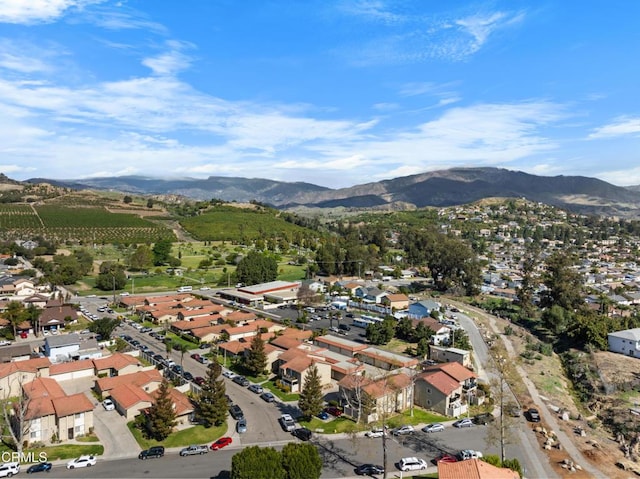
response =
{"points": [[30, 365], [63, 368], [140, 378], [116, 361], [43, 388], [473, 469], [456, 370], [128, 395], [441, 381], [74, 404]]}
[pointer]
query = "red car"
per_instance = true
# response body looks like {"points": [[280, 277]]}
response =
{"points": [[199, 380], [24, 334], [220, 443], [444, 457], [334, 411]]}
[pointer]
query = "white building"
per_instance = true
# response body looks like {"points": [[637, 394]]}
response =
{"points": [[625, 342]]}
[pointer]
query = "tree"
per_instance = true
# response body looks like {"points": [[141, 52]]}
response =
{"points": [[257, 268], [311, 401], [257, 462], [127, 199], [161, 252], [16, 426], [301, 461], [150, 203], [104, 327], [256, 360], [563, 282], [141, 259], [161, 416], [111, 276], [15, 314], [183, 349], [306, 296], [422, 349], [212, 403]]}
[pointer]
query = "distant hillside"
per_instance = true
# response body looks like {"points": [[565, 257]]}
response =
{"points": [[437, 188]]}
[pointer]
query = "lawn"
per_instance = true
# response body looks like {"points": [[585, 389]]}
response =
{"points": [[68, 451], [270, 385], [333, 426], [177, 339], [420, 416], [185, 437]]}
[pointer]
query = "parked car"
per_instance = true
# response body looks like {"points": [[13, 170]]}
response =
{"points": [[82, 461], [323, 415], [467, 454], [188, 376], [146, 329], [199, 380], [483, 419], [256, 388], [287, 422], [302, 433], [228, 374], [435, 427], [108, 404], [195, 356], [236, 412], [334, 411], [193, 450], [369, 470], [403, 430], [412, 464], [344, 327], [220, 443], [466, 422], [155, 451], [241, 380], [39, 467], [268, 397], [375, 432], [8, 469], [241, 426], [533, 414], [203, 360], [444, 457]]}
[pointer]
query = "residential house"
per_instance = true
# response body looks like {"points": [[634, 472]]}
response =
{"points": [[625, 342], [423, 308], [53, 318], [445, 387], [447, 355], [14, 374], [474, 469], [396, 302], [51, 413], [72, 370], [148, 380], [441, 332], [339, 345], [118, 364], [293, 372], [62, 347], [386, 360], [374, 398]]}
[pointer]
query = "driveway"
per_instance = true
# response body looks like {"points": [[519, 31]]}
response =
{"points": [[110, 427], [114, 434]]}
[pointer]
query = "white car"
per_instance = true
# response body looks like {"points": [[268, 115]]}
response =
{"points": [[229, 374], [403, 430], [467, 454], [377, 432], [82, 461], [5, 343], [108, 404], [8, 469], [412, 464]]}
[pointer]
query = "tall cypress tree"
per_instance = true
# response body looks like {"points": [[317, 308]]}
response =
{"points": [[310, 402], [162, 416], [212, 404], [256, 361]]}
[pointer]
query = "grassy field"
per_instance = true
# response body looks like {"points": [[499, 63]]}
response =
{"points": [[69, 451], [182, 438]]}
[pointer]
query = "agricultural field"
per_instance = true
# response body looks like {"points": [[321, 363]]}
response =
{"points": [[78, 225], [228, 223]]}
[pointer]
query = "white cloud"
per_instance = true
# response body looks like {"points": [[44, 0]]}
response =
{"points": [[621, 127], [169, 62], [480, 27], [38, 11], [374, 10]]}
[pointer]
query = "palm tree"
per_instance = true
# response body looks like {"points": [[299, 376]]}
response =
{"points": [[15, 314], [183, 349]]}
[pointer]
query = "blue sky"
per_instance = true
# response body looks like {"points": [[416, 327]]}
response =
{"points": [[332, 92]]}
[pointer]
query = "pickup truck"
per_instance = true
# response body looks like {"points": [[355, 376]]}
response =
{"points": [[192, 450]]}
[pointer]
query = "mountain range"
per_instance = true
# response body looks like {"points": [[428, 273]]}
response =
{"points": [[449, 187]]}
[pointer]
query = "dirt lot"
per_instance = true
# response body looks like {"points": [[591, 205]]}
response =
{"points": [[546, 372]]}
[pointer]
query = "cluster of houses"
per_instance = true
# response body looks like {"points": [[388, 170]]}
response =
{"points": [[48, 414]]}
